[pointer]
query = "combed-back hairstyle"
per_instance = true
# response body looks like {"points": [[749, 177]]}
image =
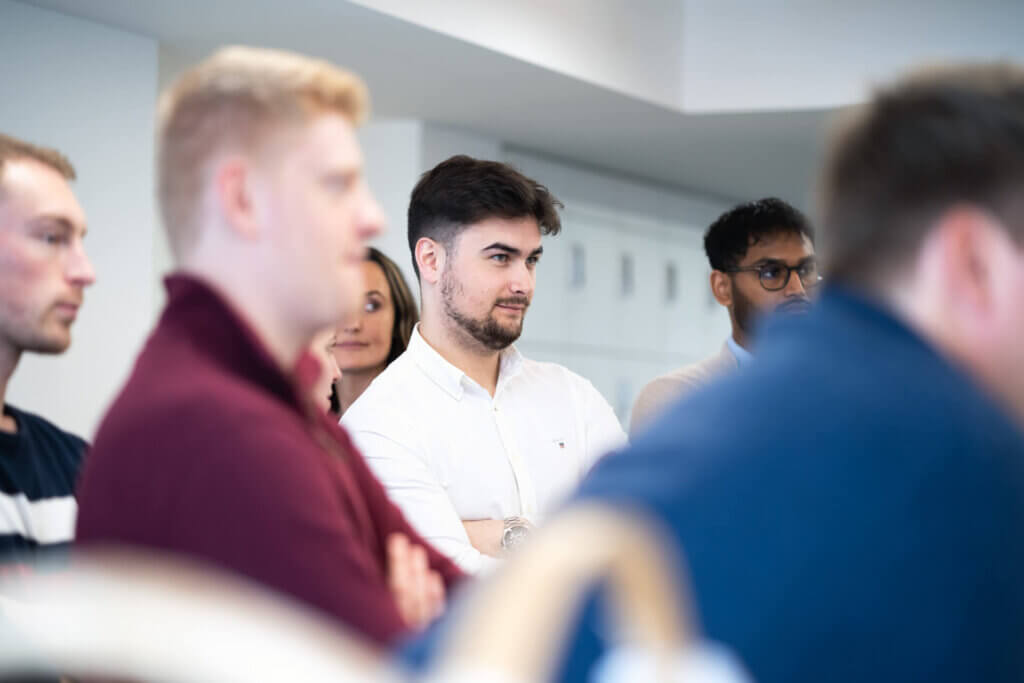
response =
{"points": [[462, 190]]}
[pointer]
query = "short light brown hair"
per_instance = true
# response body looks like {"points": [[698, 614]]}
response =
{"points": [[12, 148], [230, 101], [937, 138]]}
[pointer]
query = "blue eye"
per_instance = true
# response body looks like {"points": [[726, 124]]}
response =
{"points": [[500, 258]]}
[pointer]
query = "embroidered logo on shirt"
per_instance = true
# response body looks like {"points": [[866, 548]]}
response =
{"points": [[561, 443]]}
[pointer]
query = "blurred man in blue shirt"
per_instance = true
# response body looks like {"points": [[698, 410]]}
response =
{"points": [[851, 507]]}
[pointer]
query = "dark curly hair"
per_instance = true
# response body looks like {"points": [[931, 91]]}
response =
{"points": [[727, 240]]}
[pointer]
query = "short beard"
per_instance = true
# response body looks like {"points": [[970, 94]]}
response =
{"points": [[487, 332], [744, 311], [747, 314]]}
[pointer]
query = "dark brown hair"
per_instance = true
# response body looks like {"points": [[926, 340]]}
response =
{"points": [[462, 190], [932, 140], [12, 148], [406, 314]]}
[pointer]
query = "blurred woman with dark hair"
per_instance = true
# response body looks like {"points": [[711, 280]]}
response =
{"points": [[367, 341]]}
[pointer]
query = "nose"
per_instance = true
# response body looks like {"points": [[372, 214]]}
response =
{"points": [[795, 287], [352, 323], [371, 216], [80, 270], [521, 282]]}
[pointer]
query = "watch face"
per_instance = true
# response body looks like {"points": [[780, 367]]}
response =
{"points": [[513, 536]]}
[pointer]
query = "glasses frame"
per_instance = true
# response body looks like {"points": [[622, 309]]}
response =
{"points": [[789, 273]]}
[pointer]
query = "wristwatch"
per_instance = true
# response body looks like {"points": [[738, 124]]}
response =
{"points": [[515, 532]]}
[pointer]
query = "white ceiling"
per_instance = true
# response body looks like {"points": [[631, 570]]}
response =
{"points": [[418, 72]]}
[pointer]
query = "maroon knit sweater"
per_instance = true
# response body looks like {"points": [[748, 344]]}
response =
{"points": [[212, 452]]}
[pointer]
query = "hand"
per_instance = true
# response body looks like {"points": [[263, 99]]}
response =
{"points": [[418, 590], [485, 535]]}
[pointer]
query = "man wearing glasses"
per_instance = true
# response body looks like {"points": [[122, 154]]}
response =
{"points": [[762, 260]]}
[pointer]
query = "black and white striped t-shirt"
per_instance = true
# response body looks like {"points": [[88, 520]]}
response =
{"points": [[38, 468]]}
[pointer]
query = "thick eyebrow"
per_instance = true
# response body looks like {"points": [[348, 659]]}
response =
{"points": [[499, 246]]}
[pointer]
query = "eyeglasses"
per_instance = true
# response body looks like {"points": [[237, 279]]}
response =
{"points": [[775, 275]]}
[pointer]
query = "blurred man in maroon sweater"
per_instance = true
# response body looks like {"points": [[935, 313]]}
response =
{"points": [[215, 449]]}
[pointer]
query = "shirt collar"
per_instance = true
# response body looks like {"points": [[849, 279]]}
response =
{"points": [[742, 356], [448, 376]]}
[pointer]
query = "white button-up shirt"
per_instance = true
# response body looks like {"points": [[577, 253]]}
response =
{"points": [[447, 451]]}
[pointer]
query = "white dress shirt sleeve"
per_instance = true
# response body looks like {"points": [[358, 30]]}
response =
{"points": [[602, 430], [423, 500]]}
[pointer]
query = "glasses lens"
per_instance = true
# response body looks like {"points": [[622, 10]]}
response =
{"points": [[809, 275], [773, 276]]}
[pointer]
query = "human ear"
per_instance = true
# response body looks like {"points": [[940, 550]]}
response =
{"points": [[430, 258], [233, 195], [721, 288], [970, 252]]}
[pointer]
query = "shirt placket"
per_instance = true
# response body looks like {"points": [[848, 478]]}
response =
{"points": [[524, 483]]}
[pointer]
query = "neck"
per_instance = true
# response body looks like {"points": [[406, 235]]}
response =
{"points": [[740, 337], [283, 337], [9, 357], [353, 383], [480, 364]]}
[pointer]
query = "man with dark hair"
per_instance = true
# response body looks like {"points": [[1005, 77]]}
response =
{"points": [[851, 506], [762, 259], [474, 442], [43, 275]]}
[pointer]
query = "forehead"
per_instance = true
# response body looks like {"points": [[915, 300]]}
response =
{"points": [[521, 233], [374, 277], [782, 246], [327, 141], [29, 189]]}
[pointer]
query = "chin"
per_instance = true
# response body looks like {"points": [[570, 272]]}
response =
{"points": [[57, 343]]}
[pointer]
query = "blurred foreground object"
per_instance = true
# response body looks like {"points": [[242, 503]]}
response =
{"points": [[155, 619], [850, 505], [519, 621], [149, 618]]}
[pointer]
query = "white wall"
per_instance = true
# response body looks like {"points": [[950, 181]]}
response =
{"points": [[808, 54], [392, 156], [89, 91]]}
